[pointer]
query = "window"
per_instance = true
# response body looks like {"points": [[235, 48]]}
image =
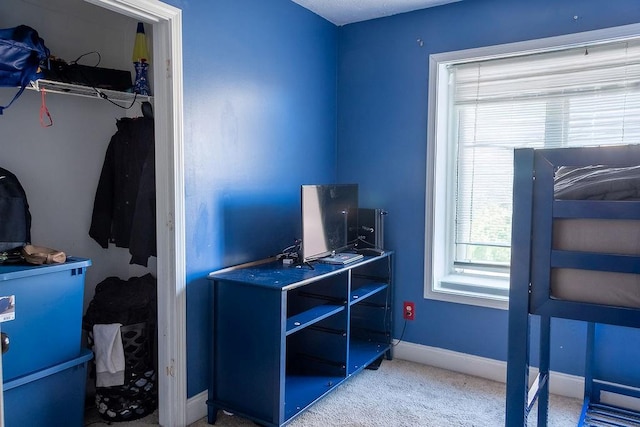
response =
{"points": [[483, 103]]}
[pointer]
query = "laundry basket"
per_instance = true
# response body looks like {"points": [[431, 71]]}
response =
{"points": [[137, 397]]}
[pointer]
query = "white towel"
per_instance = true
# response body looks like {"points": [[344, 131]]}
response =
{"points": [[109, 354]]}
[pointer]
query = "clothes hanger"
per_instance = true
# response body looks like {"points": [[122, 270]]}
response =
{"points": [[147, 109]]}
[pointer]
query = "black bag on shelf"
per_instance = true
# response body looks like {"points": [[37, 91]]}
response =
{"points": [[22, 53], [84, 75], [15, 218]]}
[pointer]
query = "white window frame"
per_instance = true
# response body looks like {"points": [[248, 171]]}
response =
{"points": [[439, 283]]}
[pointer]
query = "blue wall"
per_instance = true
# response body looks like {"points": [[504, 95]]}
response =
{"points": [[382, 103], [263, 82], [260, 120]]}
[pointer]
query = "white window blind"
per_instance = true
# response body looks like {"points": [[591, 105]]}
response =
{"points": [[588, 95]]}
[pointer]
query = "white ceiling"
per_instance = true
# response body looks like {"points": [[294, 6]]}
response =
{"points": [[341, 12]]}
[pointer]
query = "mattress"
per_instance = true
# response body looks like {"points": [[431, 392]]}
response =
{"points": [[597, 182], [621, 237]]}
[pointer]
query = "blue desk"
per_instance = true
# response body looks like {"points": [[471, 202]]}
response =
{"points": [[285, 336]]}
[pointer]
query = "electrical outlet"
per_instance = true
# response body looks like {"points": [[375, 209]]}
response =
{"points": [[408, 310]]}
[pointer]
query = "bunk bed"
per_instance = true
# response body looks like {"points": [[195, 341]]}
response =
{"points": [[575, 255]]}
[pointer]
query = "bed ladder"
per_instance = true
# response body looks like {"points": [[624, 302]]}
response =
{"points": [[595, 413], [522, 396]]}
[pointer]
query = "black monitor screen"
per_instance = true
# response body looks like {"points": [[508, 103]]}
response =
{"points": [[329, 218]]}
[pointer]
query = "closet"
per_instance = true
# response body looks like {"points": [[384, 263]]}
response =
{"points": [[59, 166]]}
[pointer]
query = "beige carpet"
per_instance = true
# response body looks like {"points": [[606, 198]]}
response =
{"points": [[403, 393]]}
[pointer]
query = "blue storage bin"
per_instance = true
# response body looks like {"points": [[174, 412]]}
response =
{"points": [[52, 397], [47, 327]]}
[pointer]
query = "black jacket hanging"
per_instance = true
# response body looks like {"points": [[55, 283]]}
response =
{"points": [[124, 205]]}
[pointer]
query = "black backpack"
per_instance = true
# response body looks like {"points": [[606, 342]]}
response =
{"points": [[15, 218]]}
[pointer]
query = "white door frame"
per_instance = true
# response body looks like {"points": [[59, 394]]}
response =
{"points": [[169, 142]]}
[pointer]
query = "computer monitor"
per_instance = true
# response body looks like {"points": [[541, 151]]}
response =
{"points": [[329, 219]]}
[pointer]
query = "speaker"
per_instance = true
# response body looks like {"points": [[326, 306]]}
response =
{"points": [[371, 227]]}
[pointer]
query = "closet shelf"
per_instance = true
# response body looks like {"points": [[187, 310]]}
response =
{"points": [[85, 91]]}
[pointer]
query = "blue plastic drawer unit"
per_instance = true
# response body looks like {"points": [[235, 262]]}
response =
{"points": [[47, 304], [52, 397]]}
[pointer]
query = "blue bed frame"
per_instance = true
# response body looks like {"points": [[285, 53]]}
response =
{"points": [[533, 258]]}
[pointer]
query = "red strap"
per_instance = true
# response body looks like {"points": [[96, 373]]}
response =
{"points": [[44, 111]]}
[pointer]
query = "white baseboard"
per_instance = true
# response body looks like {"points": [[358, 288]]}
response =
{"points": [[197, 407], [491, 369]]}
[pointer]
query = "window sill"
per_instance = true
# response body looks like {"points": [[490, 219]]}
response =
{"points": [[471, 290]]}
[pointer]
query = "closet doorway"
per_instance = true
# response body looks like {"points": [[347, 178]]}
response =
{"points": [[67, 157], [171, 273]]}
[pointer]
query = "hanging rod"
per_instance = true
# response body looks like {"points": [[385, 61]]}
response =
{"points": [[86, 91]]}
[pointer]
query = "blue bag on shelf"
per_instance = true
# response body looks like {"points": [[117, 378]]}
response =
{"points": [[22, 53]]}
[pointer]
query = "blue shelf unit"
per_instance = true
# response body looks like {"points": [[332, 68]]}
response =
{"points": [[285, 336]]}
